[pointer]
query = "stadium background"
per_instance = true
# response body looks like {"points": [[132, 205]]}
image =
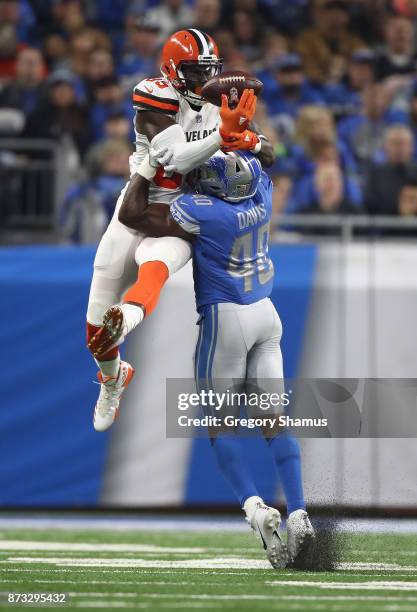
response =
{"points": [[339, 105]]}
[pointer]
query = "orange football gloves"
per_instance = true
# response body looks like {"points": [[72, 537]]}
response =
{"points": [[237, 119], [246, 141]]}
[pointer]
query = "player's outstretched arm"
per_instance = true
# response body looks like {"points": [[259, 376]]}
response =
{"points": [[152, 219]]}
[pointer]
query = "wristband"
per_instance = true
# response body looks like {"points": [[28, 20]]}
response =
{"points": [[146, 170], [257, 147]]}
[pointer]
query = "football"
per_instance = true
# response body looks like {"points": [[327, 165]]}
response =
{"points": [[231, 83]]}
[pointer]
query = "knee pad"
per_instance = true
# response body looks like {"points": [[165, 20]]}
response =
{"points": [[173, 252]]}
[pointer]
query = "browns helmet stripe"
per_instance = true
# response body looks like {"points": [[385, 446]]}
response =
{"points": [[209, 42], [200, 40]]}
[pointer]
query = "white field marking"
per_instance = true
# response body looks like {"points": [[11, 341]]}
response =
{"points": [[378, 553], [88, 547], [108, 604], [140, 571], [250, 597], [377, 566], [373, 586], [348, 598], [214, 563], [102, 594], [137, 583]]}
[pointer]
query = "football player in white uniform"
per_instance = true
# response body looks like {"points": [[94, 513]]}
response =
{"points": [[182, 131]]}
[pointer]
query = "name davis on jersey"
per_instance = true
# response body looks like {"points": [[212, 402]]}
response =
{"points": [[251, 216]]}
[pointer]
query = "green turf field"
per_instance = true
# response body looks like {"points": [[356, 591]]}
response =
{"points": [[181, 570]]}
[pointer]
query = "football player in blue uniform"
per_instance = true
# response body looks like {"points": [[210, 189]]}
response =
{"points": [[227, 218]]}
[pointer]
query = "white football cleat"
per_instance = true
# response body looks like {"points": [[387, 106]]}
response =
{"points": [[265, 522], [300, 535], [111, 389]]}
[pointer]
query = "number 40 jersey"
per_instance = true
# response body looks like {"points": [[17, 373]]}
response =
{"points": [[159, 96], [230, 252]]}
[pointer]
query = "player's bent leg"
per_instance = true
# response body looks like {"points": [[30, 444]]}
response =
{"points": [[114, 271], [157, 259]]}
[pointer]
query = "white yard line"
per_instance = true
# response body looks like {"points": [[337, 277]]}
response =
{"points": [[370, 585], [216, 562], [98, 547], [357, 565], [210, 563]]}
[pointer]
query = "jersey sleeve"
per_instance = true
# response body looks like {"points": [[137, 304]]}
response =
{"points": [[155, 95], [182, 212]]}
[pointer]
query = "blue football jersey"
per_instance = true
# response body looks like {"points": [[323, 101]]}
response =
{"points": [[230, 254]]}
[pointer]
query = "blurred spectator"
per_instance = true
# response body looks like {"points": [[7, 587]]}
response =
{"points": [[171, 16], [315, 129], [304, 193], [345, 98], [227, 46], [412, 116], [288, 17], [89, 206], [407, 199], [59, 115], [363, 133], [384, 181], [67, 16], [24, 92], [398, 55], [117, 125], [286, 90], [99, 66], [329, 192], [55, 50], [206, 15], [274, 45], [108, 99], [247, 31], [140, 59], [9, 50], [327, 45], [86, 45]]}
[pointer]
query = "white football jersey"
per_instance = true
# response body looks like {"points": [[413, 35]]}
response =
{"points": [[158, 95]]}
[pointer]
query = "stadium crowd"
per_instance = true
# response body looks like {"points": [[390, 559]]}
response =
{"points": [[339, 100]]}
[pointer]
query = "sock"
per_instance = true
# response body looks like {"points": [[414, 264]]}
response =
{"points": [[109, 364], [132, 316], [109, 367], [229, 454], [286, 452], [152, 276]]}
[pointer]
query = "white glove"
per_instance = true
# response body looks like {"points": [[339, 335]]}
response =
{"points": [[162, 157]]}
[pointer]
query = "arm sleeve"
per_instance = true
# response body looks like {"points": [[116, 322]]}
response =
{"points": [[184, 156], [180, 213]]}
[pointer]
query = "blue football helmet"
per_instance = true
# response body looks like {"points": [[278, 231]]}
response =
{"points": [[232, 176]]}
